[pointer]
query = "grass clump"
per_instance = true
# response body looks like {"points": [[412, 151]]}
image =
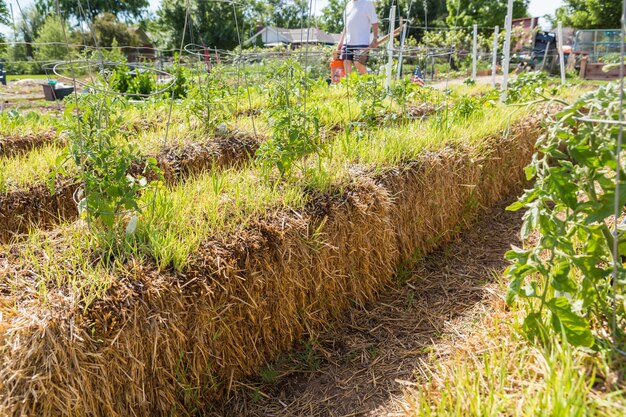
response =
{"points": [[495, 370]]}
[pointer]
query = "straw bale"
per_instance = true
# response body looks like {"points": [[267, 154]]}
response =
{"points": [[16, 144], [165, 343], [231, 150], [21, 210]]}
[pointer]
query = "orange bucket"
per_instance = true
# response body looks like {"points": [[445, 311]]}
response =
{"points": [[337, 72]]}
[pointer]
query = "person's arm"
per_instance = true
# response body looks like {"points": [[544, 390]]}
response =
{"points": [[375, 32], [343, 36]]}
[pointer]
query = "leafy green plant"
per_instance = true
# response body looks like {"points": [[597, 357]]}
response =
{"points": [[115, 176], [528, 86], [565, 274], [469, 81], [210, 100], [295, 130], [295, 134], [139, 83], [466, 106], [179, 89], [370, 93], [120, 79], [142, 84]]}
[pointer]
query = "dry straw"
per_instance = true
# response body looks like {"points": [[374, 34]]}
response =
{"points": [[161, 343], [16, 144]]}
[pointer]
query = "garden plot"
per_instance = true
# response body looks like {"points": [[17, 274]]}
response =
{"points": [[165, 308], [28, 201], [192, 147], [279, 263]]}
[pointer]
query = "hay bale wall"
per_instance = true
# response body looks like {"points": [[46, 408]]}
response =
{"points": [[169, 344]]}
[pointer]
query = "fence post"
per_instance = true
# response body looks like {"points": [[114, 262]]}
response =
{"points": [[559, 42], [392, 28], [494, 60], [474, 51], [399, 66], [507, 51]]}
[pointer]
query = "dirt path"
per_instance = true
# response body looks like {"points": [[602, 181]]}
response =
{"points": [[481, 79], [361, 367]]}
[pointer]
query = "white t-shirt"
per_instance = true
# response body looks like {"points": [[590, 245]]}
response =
{"points": [[359, 17]]}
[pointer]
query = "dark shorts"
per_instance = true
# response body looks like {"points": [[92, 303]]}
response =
{"points": [[359, 53]]}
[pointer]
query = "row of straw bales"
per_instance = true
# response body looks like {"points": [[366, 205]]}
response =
{"points": [[165, 343]]}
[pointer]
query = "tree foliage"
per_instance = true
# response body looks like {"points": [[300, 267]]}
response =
{"points": [[211, 23], [215, 23], [109, 30], [288, 14], [51, 40], [486, 13], [81, 10], [332, 16], [590, 14], [4, 13]]}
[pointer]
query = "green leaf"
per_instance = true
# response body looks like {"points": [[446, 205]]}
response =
{"points": [[561, 280], [514, 287], [533, 326], [517, 254], [561, 188], [530, 220], [528, 197], [575, 328]]}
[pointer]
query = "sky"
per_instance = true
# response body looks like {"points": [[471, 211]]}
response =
{"points": [[537, 8]]}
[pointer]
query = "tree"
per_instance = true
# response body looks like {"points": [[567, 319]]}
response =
{"points": [[212, 23], [332, 16], [4, 13], [485, 13], [288, 14], [30, 22], [82, 10], [590, 14], [52, 41], [110, 30]]}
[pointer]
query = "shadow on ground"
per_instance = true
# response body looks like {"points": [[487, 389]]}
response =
{"points": [[362, 366]]}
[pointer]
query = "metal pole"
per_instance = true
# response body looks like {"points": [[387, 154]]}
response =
{"points": [[494, 60], [474, 51], [392, 28], [561, 56], [399, 66], [507, 50], [545, 56]]}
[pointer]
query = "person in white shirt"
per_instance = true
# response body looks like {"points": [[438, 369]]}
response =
{"points": [[360, 21]]}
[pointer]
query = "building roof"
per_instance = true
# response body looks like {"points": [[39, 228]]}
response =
{"points": [[296, 36]]}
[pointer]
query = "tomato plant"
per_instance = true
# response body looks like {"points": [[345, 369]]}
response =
{"points": [[295, 130], [114, 174], [565, 275], [210, 100]]}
